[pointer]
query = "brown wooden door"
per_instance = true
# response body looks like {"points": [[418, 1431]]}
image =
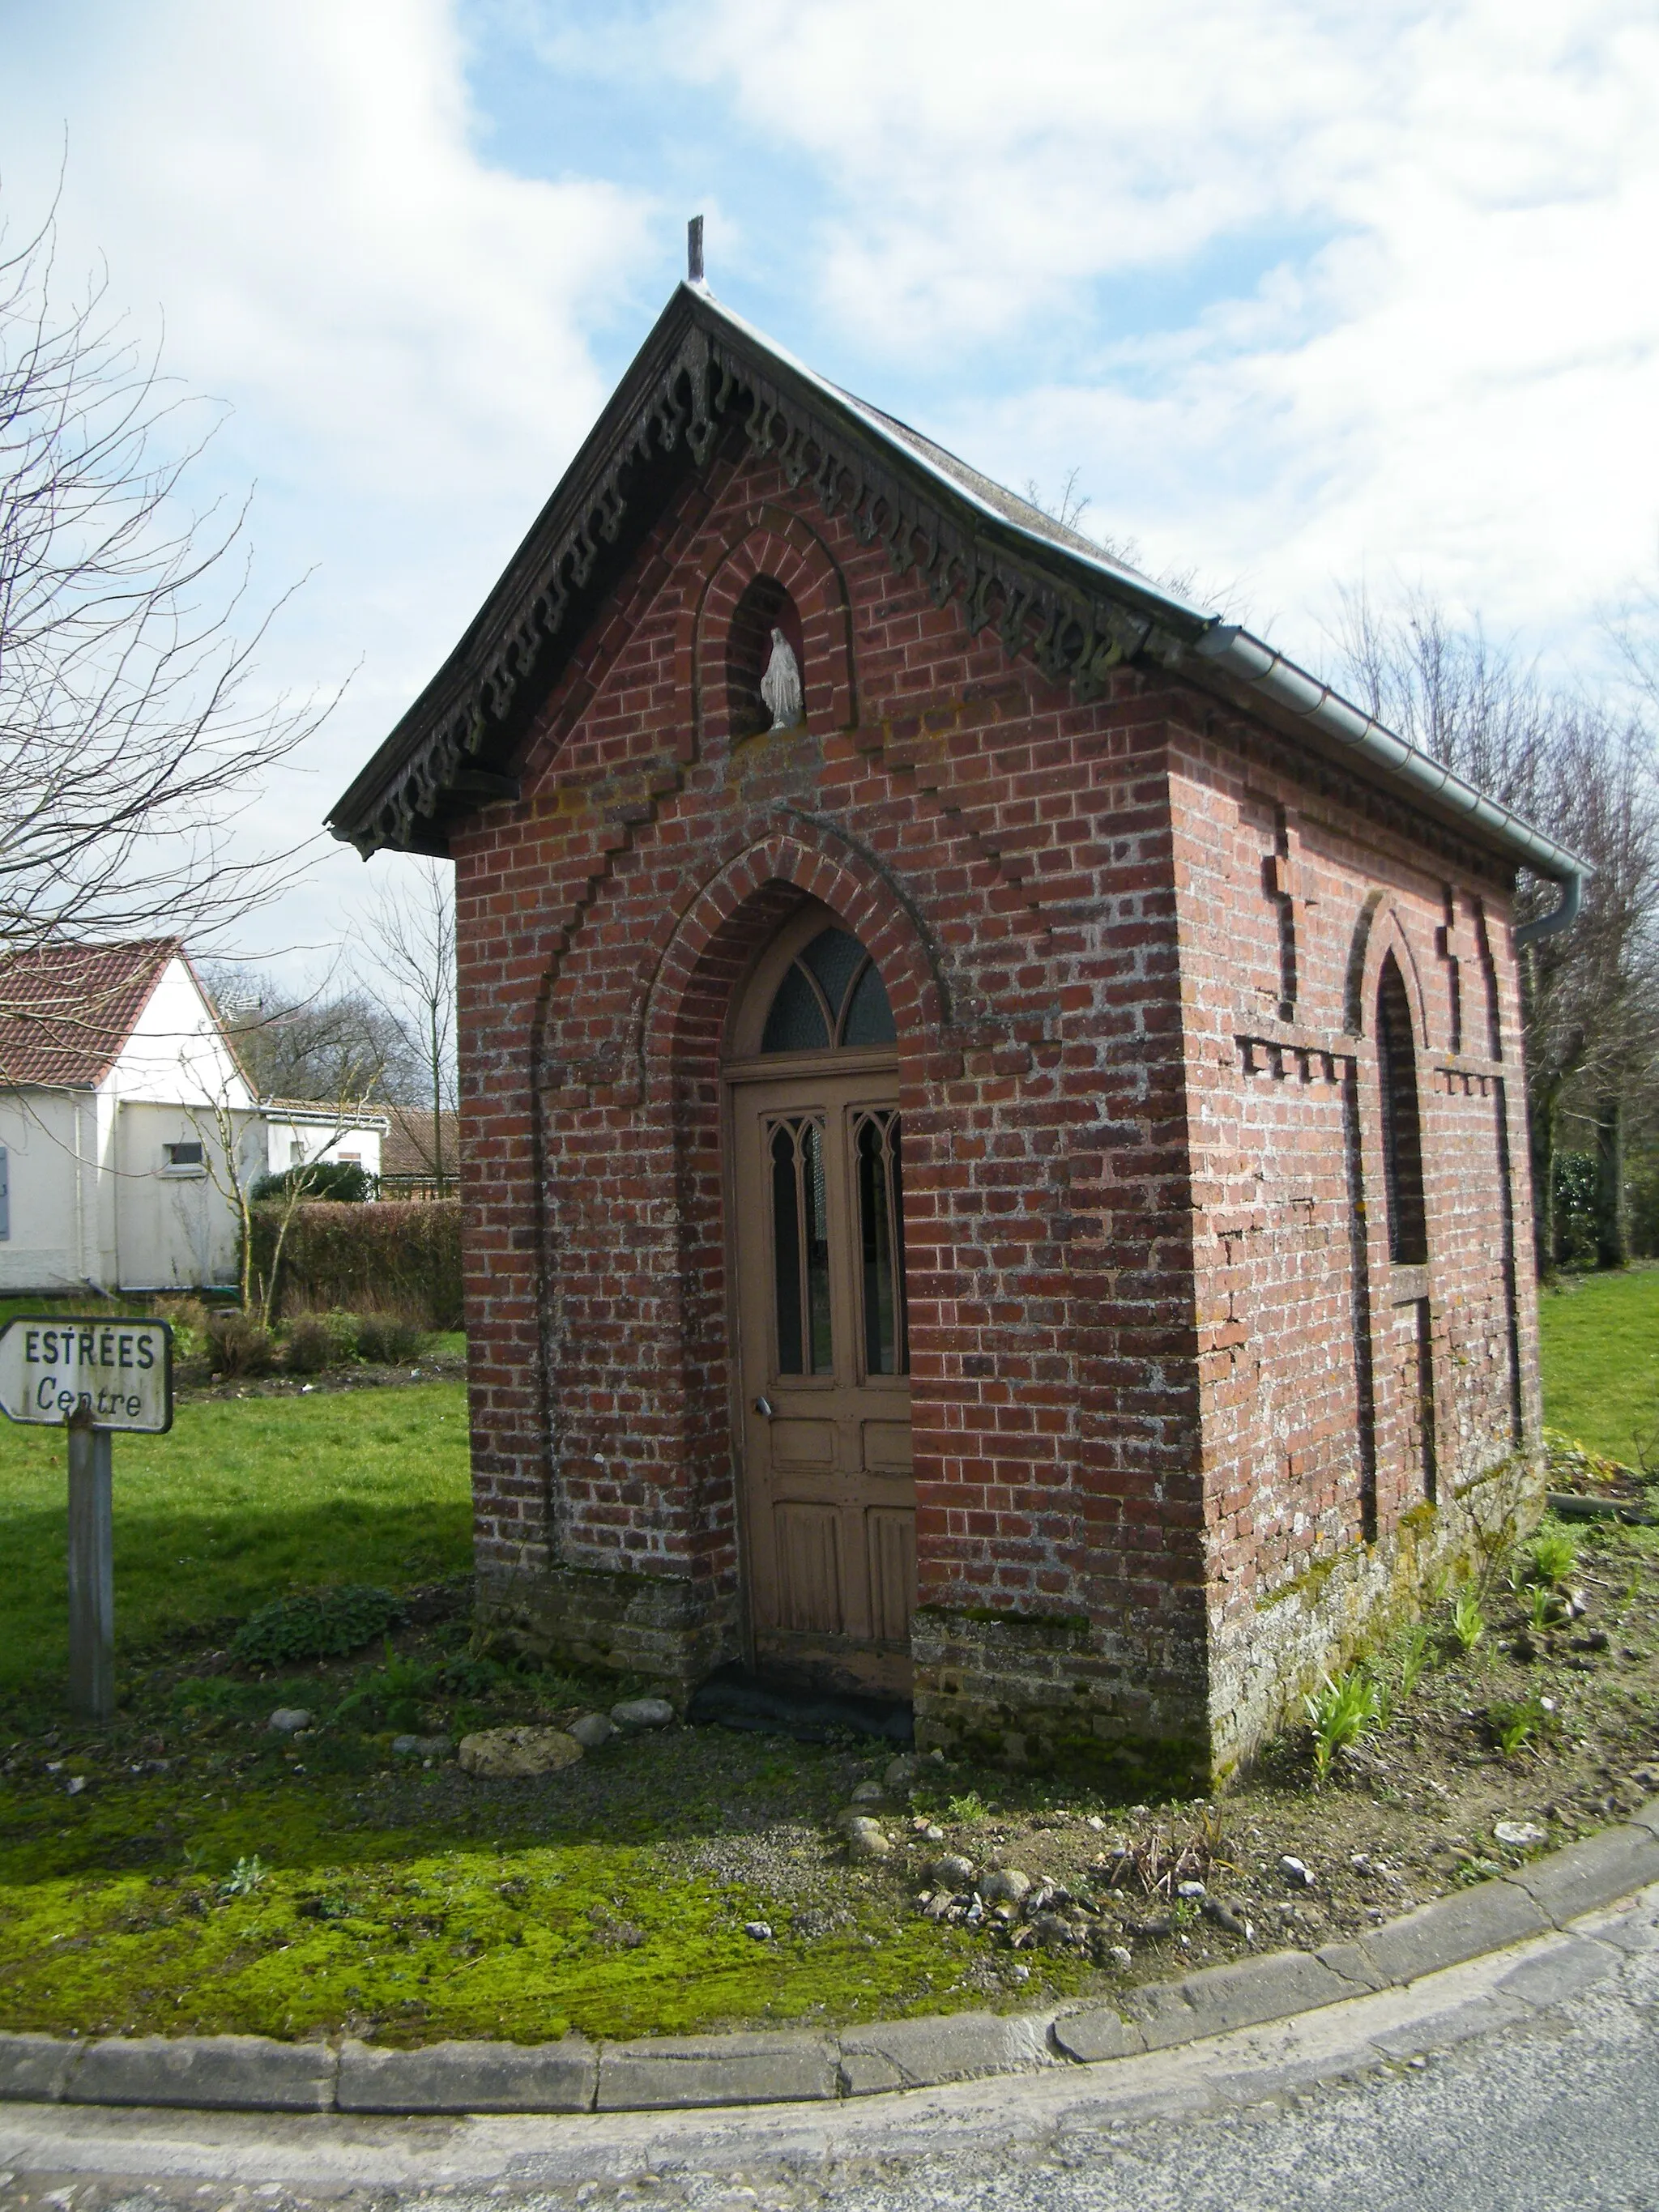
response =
{"points": [[830, 1504]]}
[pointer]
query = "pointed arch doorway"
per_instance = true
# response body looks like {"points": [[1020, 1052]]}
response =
{"points": [[817, 1174]]}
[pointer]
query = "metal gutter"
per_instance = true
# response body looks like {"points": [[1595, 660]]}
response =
{"points": [[1293, 690]]}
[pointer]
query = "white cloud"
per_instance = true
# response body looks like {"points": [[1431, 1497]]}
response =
{"points": [[401, 329], [1448, 370]]}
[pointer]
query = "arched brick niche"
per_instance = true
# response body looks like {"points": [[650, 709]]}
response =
{"points": [[764, 606], [776, 562]]}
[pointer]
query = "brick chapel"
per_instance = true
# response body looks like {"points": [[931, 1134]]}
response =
{"points": [[995, 1167]]}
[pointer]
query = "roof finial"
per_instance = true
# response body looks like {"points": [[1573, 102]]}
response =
{"points": [[694, 250]]}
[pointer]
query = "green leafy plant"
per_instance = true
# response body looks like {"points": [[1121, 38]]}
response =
{"points": [[1339, 1712], [1414, 1658], [1543, 1607], [343, 1180], [970, 1808], [1552, 1557], [244, 1877], [325, 1624], [1468, 1623], [1516, 1723], [308, 1346]]}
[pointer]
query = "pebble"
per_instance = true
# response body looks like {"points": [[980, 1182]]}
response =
{"points": [[952, 1870], [1008, 1882], [1520, 1835], [760, 1929], [1121, 1955], [287, 1718], [1223, 1917], [899, 1773], [1296, 1872], [642, 1713], [869, 1793], [592, 1730], [1191, 1889], [75, 1784], [421, 1747], [865, 1839], [496, 1753]]}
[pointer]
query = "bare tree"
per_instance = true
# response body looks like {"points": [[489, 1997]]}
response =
{"points": [[1584, 771], [413, 932], [131, 736], [315, 1044]]}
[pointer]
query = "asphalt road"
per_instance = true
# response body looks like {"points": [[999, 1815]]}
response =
{"points": [[1526, 2080]]}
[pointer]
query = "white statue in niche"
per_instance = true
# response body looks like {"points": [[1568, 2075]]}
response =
{"points": [[781, 685]]}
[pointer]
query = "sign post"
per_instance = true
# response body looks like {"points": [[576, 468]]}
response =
{"points": [[92, 1377]]}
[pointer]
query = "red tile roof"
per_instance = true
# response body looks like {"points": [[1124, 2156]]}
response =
{"points": [[67, 1010], [406, 1148]]}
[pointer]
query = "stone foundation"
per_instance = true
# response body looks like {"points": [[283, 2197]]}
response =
{"points": [[1267, 1657], [669, 1628], [1048, 1693]]}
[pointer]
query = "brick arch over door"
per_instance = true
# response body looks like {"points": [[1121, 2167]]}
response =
{"points": [[780, 546], [707, 960]]}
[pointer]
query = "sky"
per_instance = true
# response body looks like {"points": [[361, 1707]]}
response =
{"points": [[1305, 294]]}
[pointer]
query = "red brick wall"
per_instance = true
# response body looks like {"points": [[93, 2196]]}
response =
{"points": [[1134, 1414]]}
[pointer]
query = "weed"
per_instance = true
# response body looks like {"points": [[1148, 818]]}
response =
{"points": [[325, 1624], [1468, 1623], [1414, 1658], [1516, 1723], [1543, 1607], [970, 1808], [244, 1877], [1552, 1557], [1339, 1712]]}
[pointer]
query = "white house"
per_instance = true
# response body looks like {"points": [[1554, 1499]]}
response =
{"points": [[119, 1094]]}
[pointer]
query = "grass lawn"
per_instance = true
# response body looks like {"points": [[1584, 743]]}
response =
{"points": [[1599, 1350], [190, 1871], [245, 1499]]}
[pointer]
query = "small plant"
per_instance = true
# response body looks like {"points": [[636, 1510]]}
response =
{"points": [[1552, 1557], [238, 1345], [1339, 1712], [309, 1348], [387, 1339], [1414, 1658], [325, 1624], [1468, 1623], [1515, 1724], [1543, 1607], [970, 1808], [244, 1877]]}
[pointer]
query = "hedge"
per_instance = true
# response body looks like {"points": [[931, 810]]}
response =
{"points": [[399, 1255]]}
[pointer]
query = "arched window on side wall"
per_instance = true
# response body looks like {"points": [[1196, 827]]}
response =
{"points": [[1402, 1135]]}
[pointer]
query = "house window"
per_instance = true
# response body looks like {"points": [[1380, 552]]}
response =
{"points": [[185, 1158], [5, 1194], [296, 1153]]}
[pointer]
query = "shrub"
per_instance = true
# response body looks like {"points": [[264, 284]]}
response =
{"points": [[343, 1181], [238, 1346], [310, 1346], [388, 1338], [402, 1256], [325, 1624]]}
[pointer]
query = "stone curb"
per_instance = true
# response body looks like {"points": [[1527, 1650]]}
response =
{"points": [[254, 2073]]}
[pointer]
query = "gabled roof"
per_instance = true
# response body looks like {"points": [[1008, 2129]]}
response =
{"points": [[67, 1010], [1053, 595], [407, 1148]]}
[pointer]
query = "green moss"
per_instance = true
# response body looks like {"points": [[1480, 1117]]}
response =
{"points": [[1309, 1584]]}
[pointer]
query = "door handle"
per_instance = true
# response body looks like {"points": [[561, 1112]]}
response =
{"points": [[764, 1407]]}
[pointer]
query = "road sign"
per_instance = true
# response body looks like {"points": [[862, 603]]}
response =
{"points": [[108, 1374], [90, 1376]]}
